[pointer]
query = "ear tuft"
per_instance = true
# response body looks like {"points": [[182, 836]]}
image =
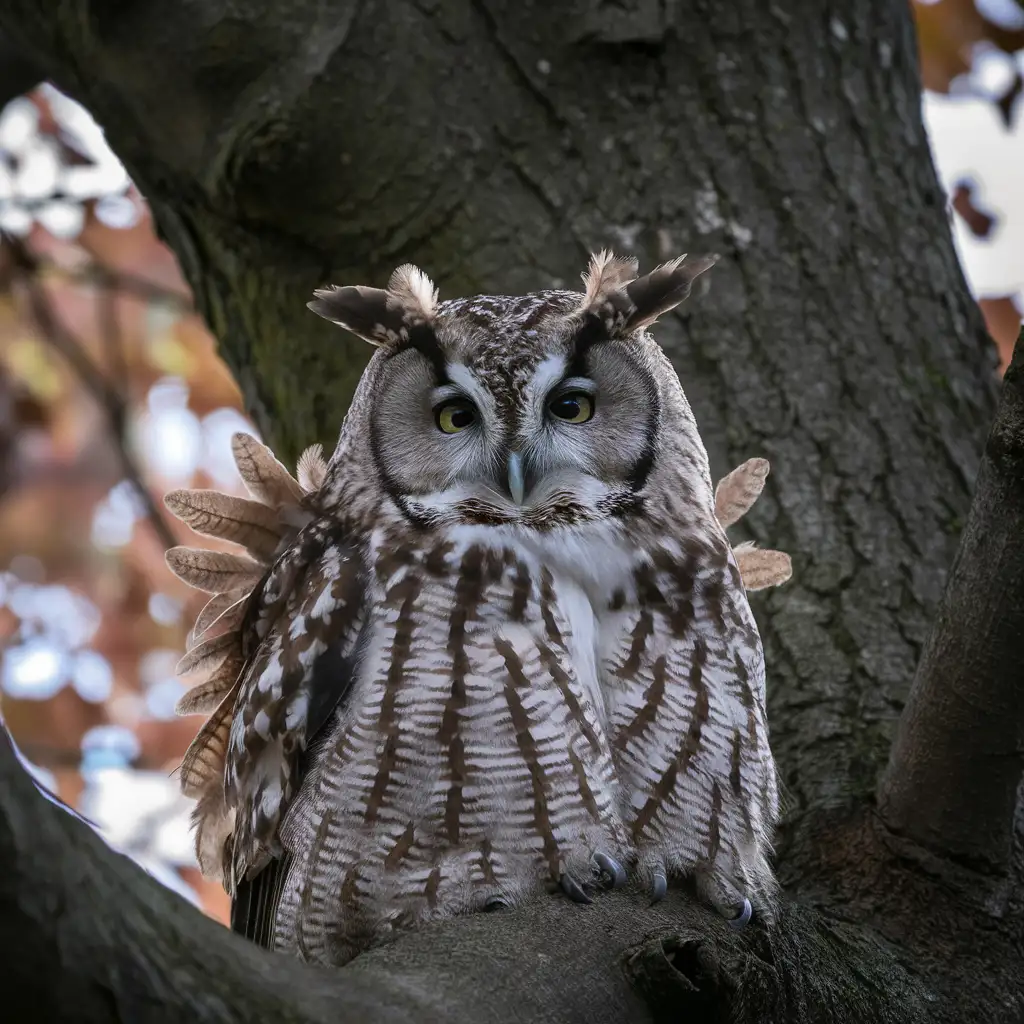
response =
{"points": [[664, 288], [363, 311], [383, 317], [415, 292], [606, 274], [623, 303]]}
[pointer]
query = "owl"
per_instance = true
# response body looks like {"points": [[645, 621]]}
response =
{"points": [[497, 644]]}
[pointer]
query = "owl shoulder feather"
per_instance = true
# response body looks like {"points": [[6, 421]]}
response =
{"points": [[250, 594], [735, 495]]}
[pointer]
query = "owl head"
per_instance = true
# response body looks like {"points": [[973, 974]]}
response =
{"points": [[539, 411]]}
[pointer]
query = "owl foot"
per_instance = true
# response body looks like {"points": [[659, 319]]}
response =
{"points": [[737, 915], [612, 869], [727, 898], [573, 889], [659, 887], [742, 919], [608, 874]]}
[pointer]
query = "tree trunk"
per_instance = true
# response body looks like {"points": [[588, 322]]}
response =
{"points": [[496, 144]]}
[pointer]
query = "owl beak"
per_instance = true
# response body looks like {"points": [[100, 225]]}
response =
{"points": [[516, 478]]}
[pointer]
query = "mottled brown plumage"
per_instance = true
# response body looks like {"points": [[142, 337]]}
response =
{"points": [[219, 641], [498, 642]]}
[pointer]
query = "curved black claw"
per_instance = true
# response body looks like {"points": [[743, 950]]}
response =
{"points": [[612, 868], [573, 890], [660, 887], [744, 916]]}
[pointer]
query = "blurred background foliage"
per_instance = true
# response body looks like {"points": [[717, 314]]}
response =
{"points": [[111, 393]]}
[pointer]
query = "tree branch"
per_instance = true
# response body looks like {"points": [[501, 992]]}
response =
{"points": [[100, 942], [92, 377], [953, 775], [117, 281]]}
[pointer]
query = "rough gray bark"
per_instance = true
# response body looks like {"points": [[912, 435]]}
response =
{"points": [[495, 144], [957, 762]]}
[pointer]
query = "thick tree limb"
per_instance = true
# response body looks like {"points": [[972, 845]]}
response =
{"points": [[99, 942], [958, 758]]}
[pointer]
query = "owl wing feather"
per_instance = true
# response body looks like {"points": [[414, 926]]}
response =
{"points": [[735, 494], [254, 905], [305, 631], [249, 594]]}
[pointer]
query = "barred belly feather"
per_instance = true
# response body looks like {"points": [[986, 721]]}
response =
{"points": [[470, 762], [685, 687]]}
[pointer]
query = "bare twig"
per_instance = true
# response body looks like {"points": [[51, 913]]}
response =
{"points": [[54, 757], [111, 400], [50, 756], [118, 281], [956, 764], [110, 329]]}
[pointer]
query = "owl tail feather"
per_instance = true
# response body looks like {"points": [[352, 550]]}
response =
{"points": [[735, 495], [264, 524]]}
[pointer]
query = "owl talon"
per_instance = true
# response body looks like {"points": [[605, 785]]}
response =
{"points": [[743, 918], [612, 868], [573, 890], [660, 887]]}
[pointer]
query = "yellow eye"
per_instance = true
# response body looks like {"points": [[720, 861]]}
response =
{"points": [[455, 415], [572, 407]]}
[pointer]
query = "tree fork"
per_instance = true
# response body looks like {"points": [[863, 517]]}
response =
{"points": [[958, 759]]}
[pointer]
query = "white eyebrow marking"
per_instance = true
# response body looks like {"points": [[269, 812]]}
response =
{"points": [[550, 370], [461, 376]]}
